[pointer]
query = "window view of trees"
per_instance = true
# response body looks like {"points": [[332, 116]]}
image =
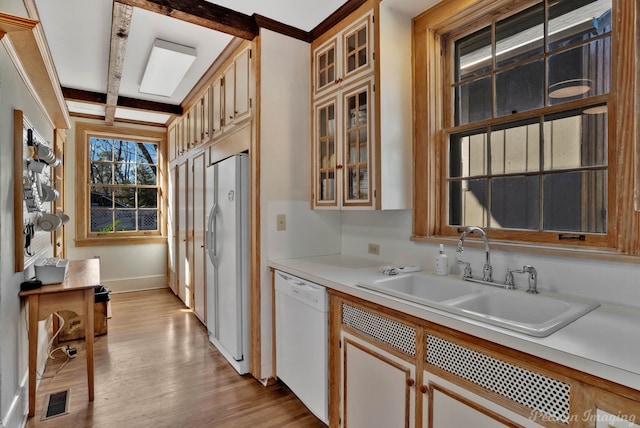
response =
{"points": [[123, 184]]}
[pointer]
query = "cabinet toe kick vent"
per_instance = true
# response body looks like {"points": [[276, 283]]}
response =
{"points": [[539, 393], [393, 333]]}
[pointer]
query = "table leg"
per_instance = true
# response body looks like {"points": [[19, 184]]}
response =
{"points": [[34, 309], [89, 298]]}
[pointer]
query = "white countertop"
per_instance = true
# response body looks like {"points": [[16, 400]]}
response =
{"points": [[605, 342]]}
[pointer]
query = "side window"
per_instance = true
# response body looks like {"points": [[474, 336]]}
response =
{"points": [[123, 186]]}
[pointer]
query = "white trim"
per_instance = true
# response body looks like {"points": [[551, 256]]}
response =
{"points": [[16, 416]]}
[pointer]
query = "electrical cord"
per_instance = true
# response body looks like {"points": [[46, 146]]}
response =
{"points": [[50, 352]]}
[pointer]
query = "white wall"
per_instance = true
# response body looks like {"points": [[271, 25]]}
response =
{"points": [[122, 267], [13, 333], [285, 168]]}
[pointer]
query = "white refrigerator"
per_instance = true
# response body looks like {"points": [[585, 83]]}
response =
{"points": [[227, 245]]}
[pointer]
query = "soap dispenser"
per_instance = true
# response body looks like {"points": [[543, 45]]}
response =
{"points": [[442, 262]]}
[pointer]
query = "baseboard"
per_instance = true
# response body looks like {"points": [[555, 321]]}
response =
{"points": [[16, 416], [136, 284]]}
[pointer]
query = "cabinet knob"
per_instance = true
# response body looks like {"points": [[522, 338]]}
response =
{"points": [[410, 382], [424, 389]]}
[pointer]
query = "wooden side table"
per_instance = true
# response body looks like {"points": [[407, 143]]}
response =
{"points": [[75, 293]]}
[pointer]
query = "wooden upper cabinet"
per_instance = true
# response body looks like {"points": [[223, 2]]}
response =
{"points": [[217, 106], [229, 94], [205, 116], [172, 140], [237, 103], [347, 54], [242, 80]]}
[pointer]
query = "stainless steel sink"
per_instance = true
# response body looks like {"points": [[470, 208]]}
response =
{"points": [[533, 314]]}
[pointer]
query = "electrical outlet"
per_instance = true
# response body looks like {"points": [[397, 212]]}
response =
{"points": [[281, 222], [374, 249]]}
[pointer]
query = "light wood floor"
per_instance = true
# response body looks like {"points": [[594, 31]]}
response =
{"points": [[156, 368]]}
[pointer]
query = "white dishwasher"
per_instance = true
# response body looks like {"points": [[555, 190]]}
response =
{"points": [[302, 341]]}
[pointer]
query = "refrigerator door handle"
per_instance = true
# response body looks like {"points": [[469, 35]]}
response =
{"points": [[212, 235]]}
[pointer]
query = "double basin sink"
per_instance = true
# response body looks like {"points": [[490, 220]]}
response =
{"points": [[532, 314]]}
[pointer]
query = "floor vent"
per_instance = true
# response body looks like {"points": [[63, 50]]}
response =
{"points": [[56, 404]]}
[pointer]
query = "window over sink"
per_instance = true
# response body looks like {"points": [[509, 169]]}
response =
{"points": [[521, 121]]}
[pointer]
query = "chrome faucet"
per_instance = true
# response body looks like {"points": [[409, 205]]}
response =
{"points": [[533, 278], [487, 270]]}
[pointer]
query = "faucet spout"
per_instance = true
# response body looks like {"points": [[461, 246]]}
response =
{"points": [[487, 271]]}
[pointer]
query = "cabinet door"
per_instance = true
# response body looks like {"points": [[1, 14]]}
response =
{"points": [[241, 89], [446, 404], [357, 47], [613, 411], [377, 388], [205, 115], [325, 66], [357, 153], [184, 280], [197, 205], [194, 124], [217, 106], [172, 242], [326, 156], [171, 142], [185, 134], [229, 94]]}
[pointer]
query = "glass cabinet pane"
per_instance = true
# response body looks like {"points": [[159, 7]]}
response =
{"points": [[357, 144], [326, 152], [355, 48], [325, 68]]}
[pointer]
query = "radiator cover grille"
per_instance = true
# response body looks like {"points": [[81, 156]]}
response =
{"points": [[393, 333], [533, 390]]}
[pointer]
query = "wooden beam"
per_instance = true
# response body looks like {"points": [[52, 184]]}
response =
{"points": [[99, 98], [120, 25], [203, 13]]}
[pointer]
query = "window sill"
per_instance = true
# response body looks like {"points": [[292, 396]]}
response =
{"points": [[105, 241], [600, 254]]}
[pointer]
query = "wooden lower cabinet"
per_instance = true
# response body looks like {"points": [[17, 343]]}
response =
{"points": [[389, 369], [445, 404], [378, 388]]}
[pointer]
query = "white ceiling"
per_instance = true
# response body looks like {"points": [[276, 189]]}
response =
{"points": [[78, 33]]}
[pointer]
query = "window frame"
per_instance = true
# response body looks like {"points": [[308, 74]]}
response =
{"points": [[84, 237], [432, 30]]}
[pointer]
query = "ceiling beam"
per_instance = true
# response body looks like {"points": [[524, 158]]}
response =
{"points": [[99, 98], [203, 13], [120, 26]]}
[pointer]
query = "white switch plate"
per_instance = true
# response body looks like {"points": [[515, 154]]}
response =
{"points": [[281, 222]]}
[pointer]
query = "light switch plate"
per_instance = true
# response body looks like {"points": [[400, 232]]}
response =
{"points": [[281, 222]]}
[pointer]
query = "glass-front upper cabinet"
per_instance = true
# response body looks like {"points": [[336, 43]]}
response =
{"points": [[325, 154], [343, 164], [345, 54], [356, 147]]}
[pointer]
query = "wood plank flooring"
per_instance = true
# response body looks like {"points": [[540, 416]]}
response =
{"points": [[156, 368]]}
